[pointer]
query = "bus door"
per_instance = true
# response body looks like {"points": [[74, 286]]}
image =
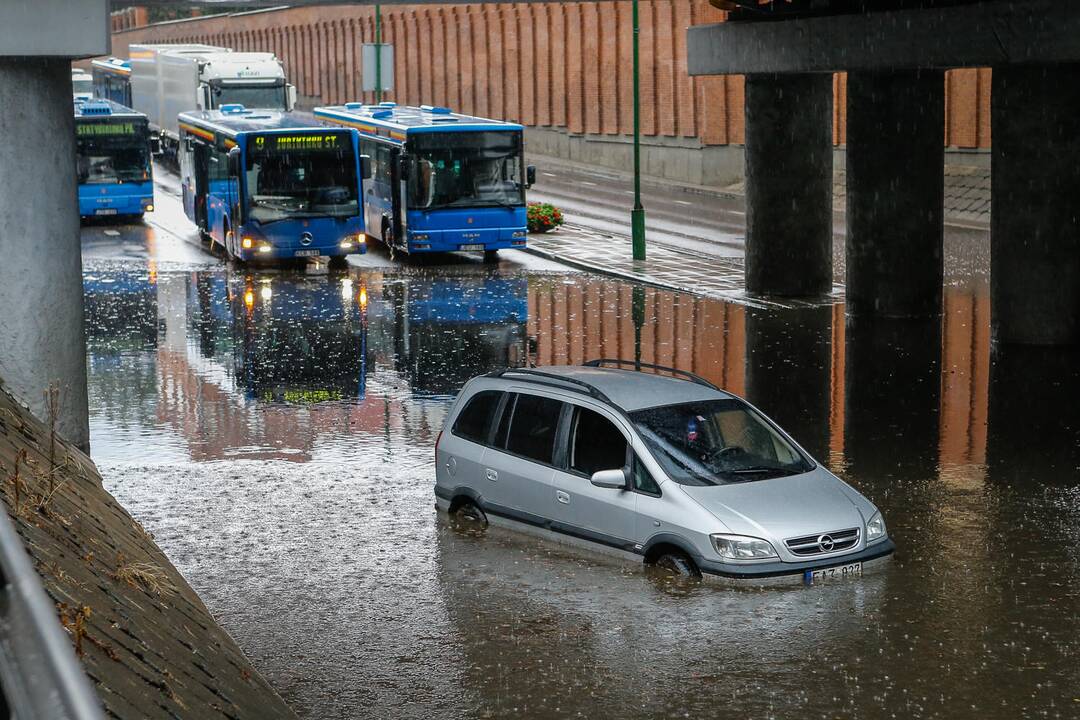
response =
{"points": [[398, 191], [202, 182]]}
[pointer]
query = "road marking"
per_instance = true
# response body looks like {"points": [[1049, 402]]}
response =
{"points": [[684, 202], [586, 182], [112, 233], [549, 174]]}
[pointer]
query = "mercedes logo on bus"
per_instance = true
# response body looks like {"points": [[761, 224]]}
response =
{"points": [[305, 239], [826, 543]]}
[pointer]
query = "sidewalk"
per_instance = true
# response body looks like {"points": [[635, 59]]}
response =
{"points": [[686, 225]]}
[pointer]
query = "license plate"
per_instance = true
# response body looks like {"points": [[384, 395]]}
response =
{"points": [[471, 246], [840, 572], [105, 211], [306, 253]]}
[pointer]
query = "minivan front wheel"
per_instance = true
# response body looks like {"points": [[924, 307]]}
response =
{"points": [[678, 563]]}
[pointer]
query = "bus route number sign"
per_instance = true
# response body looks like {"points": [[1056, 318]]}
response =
{"points": [[307, 141]]}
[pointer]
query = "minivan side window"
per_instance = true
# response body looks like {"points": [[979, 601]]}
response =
{"points": [[474, 422], [533, 425], [595, 443]]}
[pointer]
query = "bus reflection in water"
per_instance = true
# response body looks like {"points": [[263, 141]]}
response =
{"points": [[290, 339], [443, 331]]}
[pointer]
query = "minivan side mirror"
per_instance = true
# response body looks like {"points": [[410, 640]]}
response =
{"points": [[365, 167], [530, 176], [611, 479]]}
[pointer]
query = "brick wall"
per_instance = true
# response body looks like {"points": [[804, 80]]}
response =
{"points": [[559, 65]]}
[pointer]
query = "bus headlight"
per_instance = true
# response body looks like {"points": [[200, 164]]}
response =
{"points": [[149, 208], [265, 247], [247, 243], [519, 234], [418, 236]]}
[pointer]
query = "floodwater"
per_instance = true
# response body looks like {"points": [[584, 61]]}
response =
{"points": [[274, 431]]}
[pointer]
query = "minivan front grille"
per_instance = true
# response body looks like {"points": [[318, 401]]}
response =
{"points": [[823, 543]]}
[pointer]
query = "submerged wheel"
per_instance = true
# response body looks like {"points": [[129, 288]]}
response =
{"points": [[678, 563], [491, 256], [337, 262], [470, 512]]}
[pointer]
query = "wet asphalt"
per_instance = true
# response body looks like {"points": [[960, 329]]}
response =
{"points": [[274, 430]]}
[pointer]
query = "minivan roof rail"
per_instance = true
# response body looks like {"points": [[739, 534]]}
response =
{"points": [[636, 365], [545, 378]]}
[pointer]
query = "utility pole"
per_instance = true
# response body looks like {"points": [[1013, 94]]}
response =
{"points": [[378, 53], [637, 215]]}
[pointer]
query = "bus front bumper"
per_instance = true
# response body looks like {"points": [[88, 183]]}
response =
{"points": [[262, 250], [103, 205], [466, 240]]}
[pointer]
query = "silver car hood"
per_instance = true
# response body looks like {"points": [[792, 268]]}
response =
{"points": [[785, 507]]}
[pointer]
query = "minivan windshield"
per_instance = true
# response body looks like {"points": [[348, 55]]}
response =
{"points": [[716, 442]]}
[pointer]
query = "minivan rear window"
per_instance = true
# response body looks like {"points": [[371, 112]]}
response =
{"points": [[474, 422], [533, 426]]}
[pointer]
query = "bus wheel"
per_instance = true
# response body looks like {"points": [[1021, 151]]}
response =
{"points": [[338, 262], [491, 256]]}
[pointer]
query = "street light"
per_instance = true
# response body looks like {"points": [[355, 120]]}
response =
{"points": [[637, 215]]}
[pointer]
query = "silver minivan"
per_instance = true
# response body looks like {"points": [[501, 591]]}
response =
{"points": [[661, 466]]}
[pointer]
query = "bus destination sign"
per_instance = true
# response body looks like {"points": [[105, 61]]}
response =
{"points": [[98, 129], [306, 141]]}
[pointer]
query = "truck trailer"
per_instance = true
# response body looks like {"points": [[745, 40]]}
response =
{"points": [[167, 80]]}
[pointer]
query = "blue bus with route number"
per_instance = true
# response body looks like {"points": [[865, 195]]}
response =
{"points": [[442, 181], [112, 147], [112, 80], [272, 185]]}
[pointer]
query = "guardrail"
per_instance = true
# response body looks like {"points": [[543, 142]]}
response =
{"points": [[40, 677]]}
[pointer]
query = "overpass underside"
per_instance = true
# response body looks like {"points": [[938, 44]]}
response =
{"points": [[895, 53]]}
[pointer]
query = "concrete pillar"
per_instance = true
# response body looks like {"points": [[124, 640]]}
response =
{"points": [[895, 192], [789, 184], [892, 399], [789, 371], [1035, 216], [42, 338]]}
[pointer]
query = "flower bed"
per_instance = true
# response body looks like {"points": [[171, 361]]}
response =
{"points": [[543, 217]]}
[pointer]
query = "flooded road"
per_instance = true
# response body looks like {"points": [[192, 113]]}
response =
{"points": [[275, 432]]}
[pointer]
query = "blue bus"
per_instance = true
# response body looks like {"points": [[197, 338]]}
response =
{"points": [[112, 80], [112, 160], [442, 181], [270, 185]]}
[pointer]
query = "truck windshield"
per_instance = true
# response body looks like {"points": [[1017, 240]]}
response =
{"points": [[716, 442], [465, 169], [271, 97], [112, 152], [312, 174]]}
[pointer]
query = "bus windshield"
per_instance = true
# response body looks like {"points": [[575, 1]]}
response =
{"points": [[250, 96], [303, 175], [80, 86], [112, 152], [465, 169]]}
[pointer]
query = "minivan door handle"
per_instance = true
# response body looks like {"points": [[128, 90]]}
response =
{"points": [[492, 475], [562, 497]]}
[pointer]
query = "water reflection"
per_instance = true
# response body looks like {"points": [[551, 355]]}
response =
{"points": [[973, 456]]}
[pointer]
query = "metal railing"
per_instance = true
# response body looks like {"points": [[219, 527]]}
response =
{"points": [[40, 677]]}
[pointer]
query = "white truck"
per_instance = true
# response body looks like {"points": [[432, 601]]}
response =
{"points": [[167, 80], [82, 85]]}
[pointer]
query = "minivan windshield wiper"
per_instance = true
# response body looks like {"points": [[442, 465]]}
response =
{"points": [[761, 470]]}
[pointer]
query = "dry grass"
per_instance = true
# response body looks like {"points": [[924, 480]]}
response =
{"points": [[143, 576]]}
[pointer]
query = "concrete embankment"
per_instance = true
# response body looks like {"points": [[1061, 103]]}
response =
{"points": [[148, 644]]}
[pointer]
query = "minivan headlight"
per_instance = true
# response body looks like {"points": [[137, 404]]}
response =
{"points": [[875, 529], [741, 547]]}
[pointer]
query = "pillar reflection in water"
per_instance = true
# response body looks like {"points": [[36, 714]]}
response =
{"points": [[892, 393], [789, 369], [1034, 418]]}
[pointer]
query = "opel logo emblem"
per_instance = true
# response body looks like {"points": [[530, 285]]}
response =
{"points": [[826, 542], [305, 239]]}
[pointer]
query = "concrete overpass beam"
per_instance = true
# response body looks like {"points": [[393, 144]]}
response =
{"points": [[789, 184], [1035, 217], [895, 193]]}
